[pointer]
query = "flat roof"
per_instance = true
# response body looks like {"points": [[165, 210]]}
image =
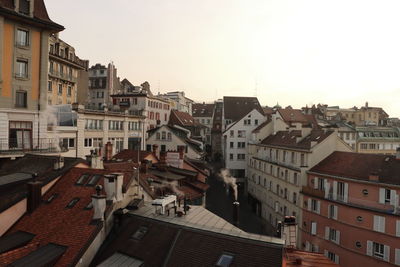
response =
{"points": [[14, 177]]}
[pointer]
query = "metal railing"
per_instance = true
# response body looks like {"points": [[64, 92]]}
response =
{"points": [[20, 145]]}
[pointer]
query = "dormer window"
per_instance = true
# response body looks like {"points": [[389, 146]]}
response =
{"points": [[24, 7]]}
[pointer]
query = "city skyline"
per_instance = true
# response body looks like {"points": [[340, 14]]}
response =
{"points": [[341, 53]]}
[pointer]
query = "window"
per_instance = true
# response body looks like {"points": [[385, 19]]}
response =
{"points": [[231, 156], [88, 142], [24, 7], [241, 133], [169, 136], [387, 196], [69, 90], [60, 89], [93, 124], [255, 122], [313, 228], [163, 135], [49, 86], [94, 180], [315, 205], [232, 133], [332, 256], [225, 260], [294, 197], [21, 99], [332, 211], [72, 203], [22, 68], [378, 250], [295, 178], [341, 191], [241, 156], [334, 235], [231, 145], [116, 125], [22, 37], [241, 144], [379, 223]]}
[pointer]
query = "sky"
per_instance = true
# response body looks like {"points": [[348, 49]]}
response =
{"points": [[297, 53]]}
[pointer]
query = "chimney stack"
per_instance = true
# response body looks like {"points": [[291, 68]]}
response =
{"points": [[99, 204], [398, 153], [144, 166], [96, 162], [162, 165], [59, 163], [109, 151], [155, 148], [34, 195], [181, 150], [236, 213], [289, 231]]}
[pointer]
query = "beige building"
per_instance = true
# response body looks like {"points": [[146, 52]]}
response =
{"points": [[25, 28], [65, 71], [378, 140]]}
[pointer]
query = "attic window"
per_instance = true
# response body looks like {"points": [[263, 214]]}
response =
{"points": [[318, 138], [93, 180], [51, 198], [72, 203], [82, 179], [140, 233], [225, 260], [89, 206]]}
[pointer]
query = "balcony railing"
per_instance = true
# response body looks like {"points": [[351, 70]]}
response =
{"points": [[20, 145], [64, 76]]}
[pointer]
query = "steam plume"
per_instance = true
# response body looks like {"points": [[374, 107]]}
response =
{"points": [[229, 180]]}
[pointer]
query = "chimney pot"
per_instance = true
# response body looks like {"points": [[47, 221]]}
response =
{"points": [[236, 206], [99, 206]]}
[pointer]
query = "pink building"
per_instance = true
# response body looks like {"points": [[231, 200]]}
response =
{"points": [[351, 209]]}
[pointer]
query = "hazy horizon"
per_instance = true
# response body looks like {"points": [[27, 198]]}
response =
{"points": [[298, 53]]}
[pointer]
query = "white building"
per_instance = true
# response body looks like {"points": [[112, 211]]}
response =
{"points": [[179, 101], [235, 140], [204, 113]]}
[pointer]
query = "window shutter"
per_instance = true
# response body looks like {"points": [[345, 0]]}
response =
{"points": [[330, 215], [313, 228], [336, 259], [382, 224], [319, 207], [326, 188], [316, 247], [309, 204], [326, 232], [315, 182], [386, 255], [337, 237], [334, 190], [398, 228], [393, 197], [335, 215], [307, 246], [346, 192], [397, 256], [382, 195], [369, 248], [376, 223]]}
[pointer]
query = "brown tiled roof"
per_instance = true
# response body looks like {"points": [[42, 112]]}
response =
{"points": [[203, 110], [360, 166], [268, 110], [288, 139], [312, 121], [308, 259], [200, 185], [129, 154], [235, 107], [176, 245], [290, 115], [181, 118], [40, 14], [71, 227], [13, 255]]}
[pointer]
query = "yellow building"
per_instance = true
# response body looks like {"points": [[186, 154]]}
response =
{"points": [[25, 28], [65, 69]]}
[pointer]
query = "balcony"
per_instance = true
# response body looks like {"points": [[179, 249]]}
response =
{"points": [[18, 146], [313, 192], [75, 61]]}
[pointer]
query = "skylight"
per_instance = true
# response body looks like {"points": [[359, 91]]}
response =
{"points": [[93, 180], [225, 260], [72, 203], [140, 233], [52, 197], [82, 179]]}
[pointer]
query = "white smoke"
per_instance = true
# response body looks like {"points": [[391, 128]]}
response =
{"points": [[229, 180], [174, 186]]}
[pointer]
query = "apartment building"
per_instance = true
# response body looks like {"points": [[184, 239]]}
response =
{"points": [[156, 109], [235, 140], [67, 74], [179, 101], [377, 140], [80, 131], [103, 82], [25, 28], [351, 209], [204, 113], [277, 168], [216, 131]]}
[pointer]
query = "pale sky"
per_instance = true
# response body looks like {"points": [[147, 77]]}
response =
{"points": [[292, 52]]}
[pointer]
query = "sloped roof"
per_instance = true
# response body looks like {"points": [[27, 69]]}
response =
{"points": [[359, 166], [203, 110], [181, 118], [307, 258], [129, 154], [290, 115], [235, 107], [288, 139], [40, 14]]}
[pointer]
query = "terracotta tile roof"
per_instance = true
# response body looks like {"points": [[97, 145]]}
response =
{"points": [[288, 139], [203, 110], [181, 118], [129, 154], [13, 255], [236, 107], [39, 13], [177, 245], [190, 192], [268, 110], [290, 115], [307, 259], [71, 227], [359, 166], [199, 185]]}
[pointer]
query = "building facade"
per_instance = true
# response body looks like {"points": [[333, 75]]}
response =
{"points": [[377, 140], [65, 69], [179, 101], [351, 209], [204, 113], [25, 28]]}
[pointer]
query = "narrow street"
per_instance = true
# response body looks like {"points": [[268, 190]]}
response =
{"points": [[220, 201]]}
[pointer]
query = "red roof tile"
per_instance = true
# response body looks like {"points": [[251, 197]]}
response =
{"points": [[129, 154], [290, 115], [295, 258], [181, 118], [360, 166], [13, 255]]}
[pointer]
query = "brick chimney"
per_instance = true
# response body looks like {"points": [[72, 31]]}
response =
{"points": [[99, 204], [96, 162], [109, 151], [155, 149], [113, 186], [162, 164], [34, 195]]}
